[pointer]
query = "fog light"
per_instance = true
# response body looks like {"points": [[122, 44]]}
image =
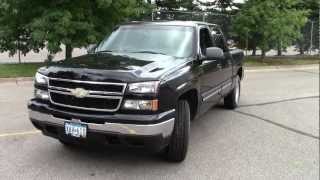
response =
{"points": [[41, 94], [149, 105]]}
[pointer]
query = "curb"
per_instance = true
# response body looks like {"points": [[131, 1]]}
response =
{"points": [[16, 80], [282, 68]]}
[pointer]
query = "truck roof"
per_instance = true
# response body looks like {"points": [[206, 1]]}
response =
{"points": [[171, 23]]}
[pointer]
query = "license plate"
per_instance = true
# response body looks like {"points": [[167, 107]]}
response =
{"points": [[77, 130]]}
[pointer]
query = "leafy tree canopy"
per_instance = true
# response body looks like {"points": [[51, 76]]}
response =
{"points": [[277, 23], [14, 34], [55, 22]]}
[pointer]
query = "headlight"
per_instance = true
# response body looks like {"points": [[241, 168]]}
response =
{"points": [[144, 87], [41, 79], [149, 105], [41, 94]]}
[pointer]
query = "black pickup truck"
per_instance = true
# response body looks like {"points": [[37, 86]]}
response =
{"points": [[140, 87]]}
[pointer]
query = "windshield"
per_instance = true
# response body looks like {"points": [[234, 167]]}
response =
{"points": [[168, 40]]}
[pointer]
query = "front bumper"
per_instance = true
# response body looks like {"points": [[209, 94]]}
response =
{"points": [[150, 131], [163, 129]]}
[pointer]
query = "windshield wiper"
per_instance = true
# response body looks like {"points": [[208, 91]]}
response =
{"points": [[149, 52], [104, 51]]}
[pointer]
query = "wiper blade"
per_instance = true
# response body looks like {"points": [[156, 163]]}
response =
{"points": [[104, 51], [149, 52]]}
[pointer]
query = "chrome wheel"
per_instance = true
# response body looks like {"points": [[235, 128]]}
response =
{"points": [[232, 99], [237, 95]]}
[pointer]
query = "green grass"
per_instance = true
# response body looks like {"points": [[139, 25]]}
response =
{"points": [[279, 61], [29, 69], [19, 70]]}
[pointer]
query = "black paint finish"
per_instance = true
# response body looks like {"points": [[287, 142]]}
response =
{"points": [[177, 76]]}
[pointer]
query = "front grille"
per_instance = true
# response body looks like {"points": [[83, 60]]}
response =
{"points": [[99, 96], [92, 103], [111, 88]]}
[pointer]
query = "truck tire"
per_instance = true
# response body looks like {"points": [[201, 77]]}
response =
{"points": [[231, 101], [178, 145]]}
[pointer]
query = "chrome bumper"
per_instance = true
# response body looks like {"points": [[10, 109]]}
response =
{"points": [[164, 128]]}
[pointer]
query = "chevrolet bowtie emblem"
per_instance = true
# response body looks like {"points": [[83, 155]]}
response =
{"points": [[79, 92]]}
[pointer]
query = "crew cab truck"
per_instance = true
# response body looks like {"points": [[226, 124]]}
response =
{"points": [[141, 87]]}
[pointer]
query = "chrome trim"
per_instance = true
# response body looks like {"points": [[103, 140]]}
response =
{"points": [[181, 86], [89, 96], [92, 94], [211, 93], [90, 109], [161, 115], [88, 82], [164, 128], [215, 91], [124, 85], [226, 85]]}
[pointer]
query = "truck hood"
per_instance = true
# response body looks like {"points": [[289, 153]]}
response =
{"points": [[105, 67]]}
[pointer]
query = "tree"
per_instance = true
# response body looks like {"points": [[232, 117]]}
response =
{"points": [[55, 22], [78, 24], [277, 23], [14, 34], [303, 43], [219, 12], [175, 4]]}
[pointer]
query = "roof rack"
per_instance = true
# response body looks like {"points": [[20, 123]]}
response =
{"points": [[189, 15]]}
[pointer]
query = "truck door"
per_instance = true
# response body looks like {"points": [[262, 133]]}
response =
{"points": [[210, 68], [226, 63]]}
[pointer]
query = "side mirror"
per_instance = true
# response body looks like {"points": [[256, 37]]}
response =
{"points": [[214, 53], [91, 48]]}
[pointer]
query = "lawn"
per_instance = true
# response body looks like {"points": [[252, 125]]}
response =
{"points": [[278, 61], [19, 70], [29, 69]]}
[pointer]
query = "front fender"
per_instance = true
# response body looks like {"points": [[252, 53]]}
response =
{"points": [[176, 84]]}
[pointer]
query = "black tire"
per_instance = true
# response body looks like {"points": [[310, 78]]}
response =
{"points": [[178, 146], [231, 101]]}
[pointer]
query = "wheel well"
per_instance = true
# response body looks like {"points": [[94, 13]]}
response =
{"points": [[192, 97], [240, 73]]}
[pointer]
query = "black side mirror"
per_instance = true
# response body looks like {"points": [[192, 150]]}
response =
{"points": [[91, 48], [214, 53]]}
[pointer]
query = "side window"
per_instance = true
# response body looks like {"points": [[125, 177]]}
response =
{"points": [[205, 40], [218, 40]]}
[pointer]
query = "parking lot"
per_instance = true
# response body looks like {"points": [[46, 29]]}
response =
{"points": [[274, 134]]}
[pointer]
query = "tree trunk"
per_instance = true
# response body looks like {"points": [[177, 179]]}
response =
{"points": [[19, 56], [279, 51], [263, 53], [301, 50], [279, 48], [19, 52], [68, 51], [254, 51]]}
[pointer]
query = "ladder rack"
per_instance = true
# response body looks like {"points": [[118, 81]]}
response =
{"points": [[188, 15]]}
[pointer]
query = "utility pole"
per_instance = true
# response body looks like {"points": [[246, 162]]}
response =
{"points": [[311, 37], [247, 42], [152, 15]]}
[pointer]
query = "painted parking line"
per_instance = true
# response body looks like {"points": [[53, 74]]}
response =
{"points": [[24, 133]]}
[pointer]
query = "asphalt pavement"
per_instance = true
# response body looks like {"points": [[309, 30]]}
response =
{"points": [[274, 134]]}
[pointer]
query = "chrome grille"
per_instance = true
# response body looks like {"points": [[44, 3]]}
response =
{"points": [[99, 96]]}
